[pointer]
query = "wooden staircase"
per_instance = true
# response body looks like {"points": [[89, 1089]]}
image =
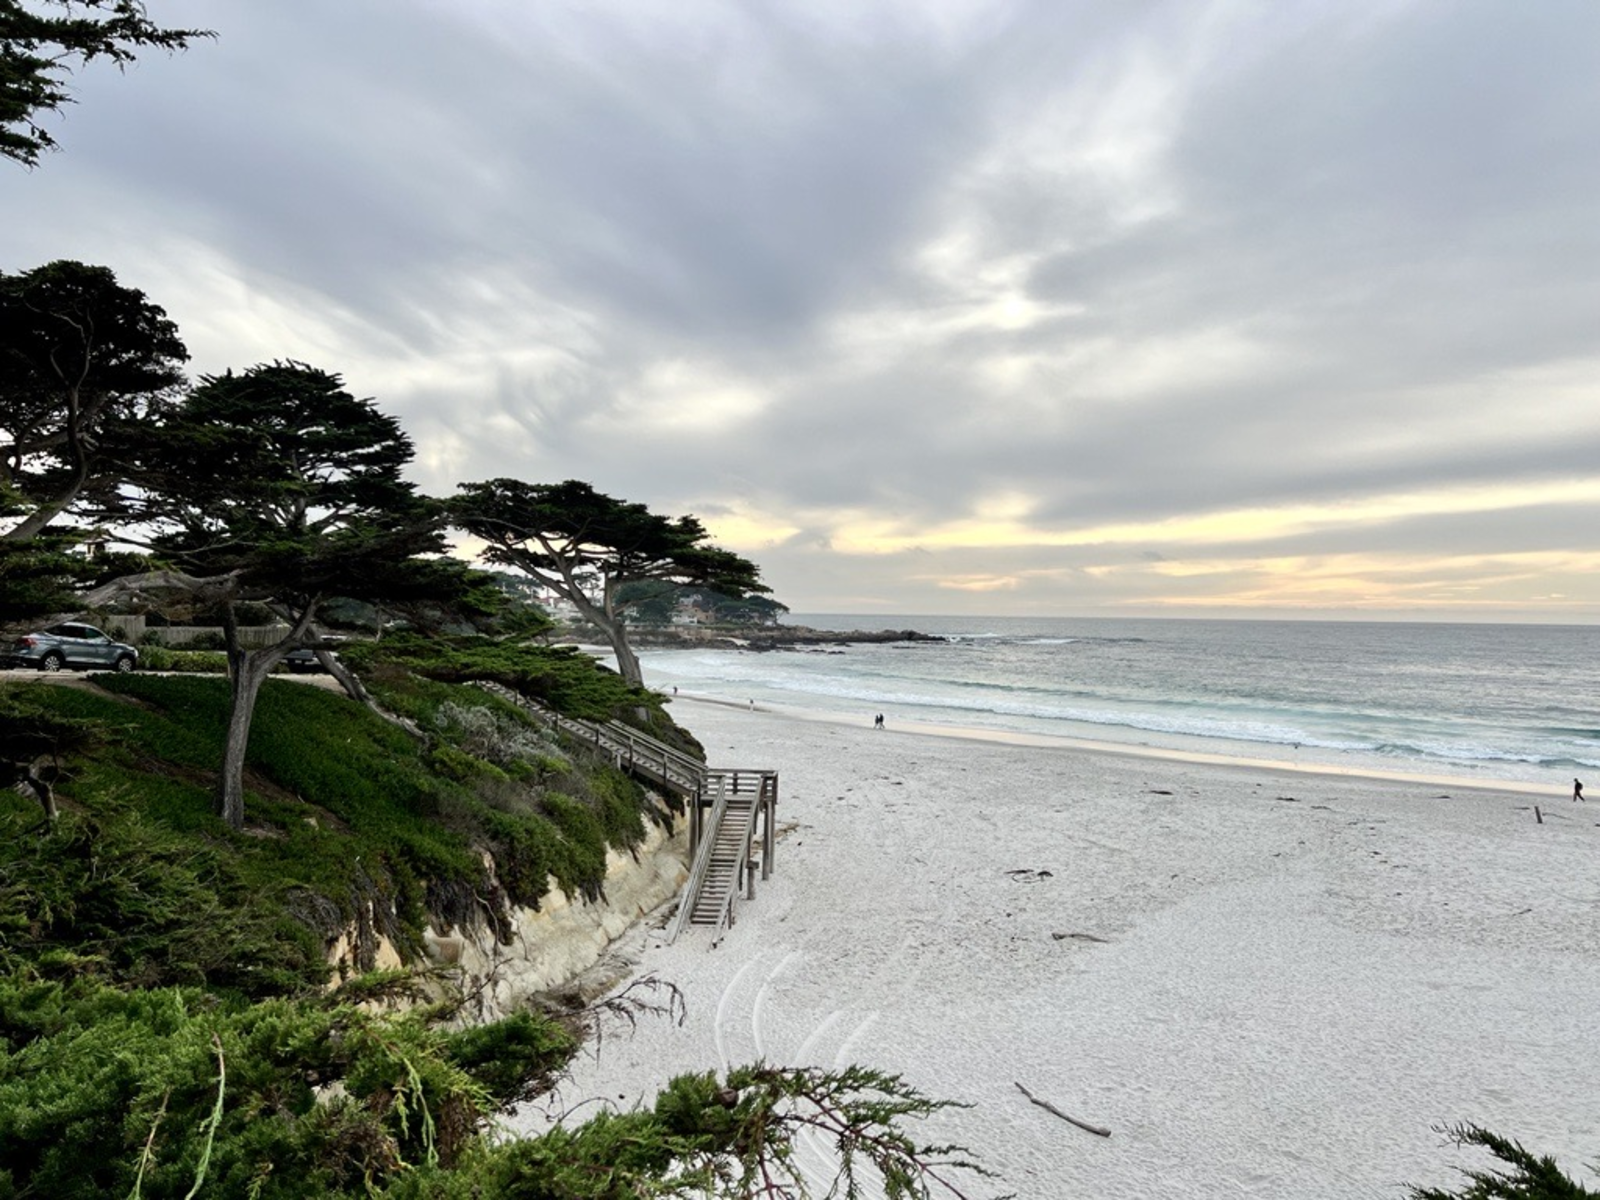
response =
{"points": [[726, 809], [740, 802]]}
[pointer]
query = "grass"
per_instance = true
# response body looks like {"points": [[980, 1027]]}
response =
{"points": [[349, 821]]}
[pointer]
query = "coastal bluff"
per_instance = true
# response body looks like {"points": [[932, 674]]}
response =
{"points": [[549, 947], [752, 637]]}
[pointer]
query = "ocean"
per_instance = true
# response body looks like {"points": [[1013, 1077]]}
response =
{"points": [[1496, 702]]}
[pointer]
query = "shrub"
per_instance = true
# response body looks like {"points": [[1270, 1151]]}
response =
{"points": [[1532, 1177], [162, 658], [502, 737], [562, 677], [112, 1093]]}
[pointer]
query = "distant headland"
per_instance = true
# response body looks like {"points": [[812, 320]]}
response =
{"points": [[750, 637]]}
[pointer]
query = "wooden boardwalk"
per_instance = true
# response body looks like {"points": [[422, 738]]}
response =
{"points": [[637, 753]]}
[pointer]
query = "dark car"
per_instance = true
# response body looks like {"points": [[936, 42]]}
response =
{"points": [[71, 645], [304, 659]]}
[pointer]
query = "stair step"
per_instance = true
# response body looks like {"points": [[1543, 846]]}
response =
{"points": [[727, 848]]}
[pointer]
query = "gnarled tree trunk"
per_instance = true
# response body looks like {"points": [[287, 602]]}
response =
{"points": [[250, 670], [610, 623], [627, 661], [37, 779], [354, 688], [247, 671]]}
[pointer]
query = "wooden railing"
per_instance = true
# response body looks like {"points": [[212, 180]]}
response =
{"points": [[630, 749], [714, 797], [700, 869], [723, 841]]}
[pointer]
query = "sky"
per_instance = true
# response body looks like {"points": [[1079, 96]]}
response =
{"points": [[1110, 307]]}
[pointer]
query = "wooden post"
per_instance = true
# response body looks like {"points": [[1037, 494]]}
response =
{"points": [[1537, 815], [769, 834]]}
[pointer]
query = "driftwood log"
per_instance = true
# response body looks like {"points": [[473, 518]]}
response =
{"points": [[1097, 1130]]}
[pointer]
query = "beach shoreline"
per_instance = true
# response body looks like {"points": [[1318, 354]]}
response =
{"points": [[1491, 712], [1265, 983], [1019, 738]]}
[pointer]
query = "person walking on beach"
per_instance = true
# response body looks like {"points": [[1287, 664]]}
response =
{"points": [[877, 721], [1577, 789]]}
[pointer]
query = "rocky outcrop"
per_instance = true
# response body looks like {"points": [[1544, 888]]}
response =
{"points": [[761, 637]]}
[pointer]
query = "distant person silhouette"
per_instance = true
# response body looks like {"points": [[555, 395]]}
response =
{"points": [[1577, 789], [877, 721]]}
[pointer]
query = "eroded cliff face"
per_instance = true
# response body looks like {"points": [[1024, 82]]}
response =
{"points": [[560, 940]]}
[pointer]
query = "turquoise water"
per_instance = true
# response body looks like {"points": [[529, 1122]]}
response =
{"points": [[1497, 701]]}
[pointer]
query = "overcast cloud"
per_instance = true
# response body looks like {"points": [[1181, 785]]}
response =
{"points": [[926, 306]]}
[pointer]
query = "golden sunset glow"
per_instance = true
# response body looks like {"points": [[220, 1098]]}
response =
{"points": [[998, 525], [1355, 580]]}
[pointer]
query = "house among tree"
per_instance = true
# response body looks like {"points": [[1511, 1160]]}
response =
{"points": [[689, 610]]}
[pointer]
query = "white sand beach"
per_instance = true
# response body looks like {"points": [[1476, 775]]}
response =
{"points": [[1264, 983]]}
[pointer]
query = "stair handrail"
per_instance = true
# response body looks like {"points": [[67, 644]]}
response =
{"points": [[693, 777], [690, 894], [725, 916], [669, 756], [615, 738]]}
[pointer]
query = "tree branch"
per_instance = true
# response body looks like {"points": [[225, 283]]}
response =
{"points": [[1097, 1130], [163, 580]]}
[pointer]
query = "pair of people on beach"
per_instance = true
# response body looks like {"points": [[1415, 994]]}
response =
{"points": [[877, 721]]}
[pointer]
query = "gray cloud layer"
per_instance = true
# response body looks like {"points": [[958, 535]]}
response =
{"points": [[1066, 307]]}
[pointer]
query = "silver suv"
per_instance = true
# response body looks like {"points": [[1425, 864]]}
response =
{"points": [[71, 645]]}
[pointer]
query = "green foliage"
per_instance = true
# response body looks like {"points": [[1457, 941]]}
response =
{"points": [[103, 1090], [560, 677], [650, 602], [280, 479], [202, 662], [529, 855], [407, 671], [567, 536], [862, 1113], [37, 575], [351, 823], [278, 485], [497, 734], [121, 898], [180, 735], [542, 528], [614, 803], [130, 884], [515, 1059], [735, 1139], [1532, 1177], [583, 840], [83, 360], [40, 51], [30, 729]]}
